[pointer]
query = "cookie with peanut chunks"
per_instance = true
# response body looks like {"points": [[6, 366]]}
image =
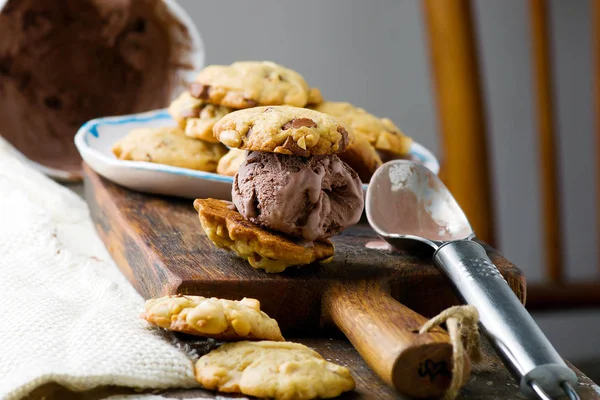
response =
{"points": [[284, 129], [196, 117], [211, 317], [274, 370], [169, 146], [263, 249], [382, 133], [245, 84]]}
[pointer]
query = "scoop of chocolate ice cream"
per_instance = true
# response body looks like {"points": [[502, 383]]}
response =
{"points": [[306, 198], [65, 62]]}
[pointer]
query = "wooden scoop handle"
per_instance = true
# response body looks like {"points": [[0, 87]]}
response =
{"points": [[386, 335]]}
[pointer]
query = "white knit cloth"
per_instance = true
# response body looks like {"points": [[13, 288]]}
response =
{"points": [[67, 315]]}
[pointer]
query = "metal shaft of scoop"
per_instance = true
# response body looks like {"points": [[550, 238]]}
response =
{"points": [[512, 331], [570, 392], [407, 204]]}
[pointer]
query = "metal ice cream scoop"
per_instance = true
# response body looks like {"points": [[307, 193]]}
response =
{"points": [[408, 206]]}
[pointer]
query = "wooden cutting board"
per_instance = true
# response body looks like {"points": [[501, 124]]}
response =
{"points": [[159, 245]]}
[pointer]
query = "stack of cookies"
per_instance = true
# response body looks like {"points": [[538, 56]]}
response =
{"points": [[258, 362], [291, 193], [217, 91], [221, 89]]}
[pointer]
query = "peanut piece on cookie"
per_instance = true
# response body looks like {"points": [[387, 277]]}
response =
{"points": [[196, 117]]}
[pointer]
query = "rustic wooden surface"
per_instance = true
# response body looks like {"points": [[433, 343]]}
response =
{"points": [[489, 381], [159, 245]]}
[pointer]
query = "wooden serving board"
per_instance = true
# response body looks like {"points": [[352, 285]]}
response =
{"points": [[159, 245], [378, 299]]}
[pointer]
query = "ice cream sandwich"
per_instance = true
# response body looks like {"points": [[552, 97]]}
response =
{"points": [[291, 185]]}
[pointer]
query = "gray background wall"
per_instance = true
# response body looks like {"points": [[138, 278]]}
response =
{"points": [[373, 54]]}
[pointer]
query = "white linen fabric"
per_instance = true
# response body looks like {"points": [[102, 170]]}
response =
{"points": [[68, 314]]}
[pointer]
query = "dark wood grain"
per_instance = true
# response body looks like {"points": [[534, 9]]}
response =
{"points": [[489, 380], [159, 245], [563, 296]]}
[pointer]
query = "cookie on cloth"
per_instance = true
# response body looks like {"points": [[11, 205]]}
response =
{"points": [[170, 146], [265, 369], [211, 317], [197, 117], [263, 249], [362, 157], [247, 84], [284, 129], [230, 162], [381, 132]]}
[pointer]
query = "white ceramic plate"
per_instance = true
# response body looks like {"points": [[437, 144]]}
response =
{"points": [[95, 139]]}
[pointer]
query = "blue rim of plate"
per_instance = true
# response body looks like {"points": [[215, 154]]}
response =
{"points": [[419, 152]]}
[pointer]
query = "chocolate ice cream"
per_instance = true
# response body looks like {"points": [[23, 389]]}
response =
{"points": [[306, 198], [65, 62]]}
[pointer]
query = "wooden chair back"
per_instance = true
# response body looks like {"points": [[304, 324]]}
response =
{"points": [[465, 162]]}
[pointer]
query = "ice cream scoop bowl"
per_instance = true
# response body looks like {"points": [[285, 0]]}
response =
{"points": [[410, 208]]}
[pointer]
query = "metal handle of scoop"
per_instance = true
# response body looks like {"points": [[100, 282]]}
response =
{"points": [[507, 324]]}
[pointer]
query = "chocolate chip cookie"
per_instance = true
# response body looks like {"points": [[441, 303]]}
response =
{"points": [[284, 129], [381, 132], [196, 117], [211, 317], [263, 249], [278, 370], [250, 84], [170, 146]]}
